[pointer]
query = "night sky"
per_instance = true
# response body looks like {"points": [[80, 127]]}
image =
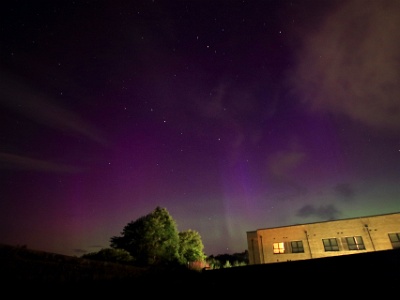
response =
{"points": [[232, 115]]}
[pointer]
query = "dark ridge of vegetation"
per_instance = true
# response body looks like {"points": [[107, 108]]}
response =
{"points": [[22, 264], [24, 271], [38, 272], [228, 260]]}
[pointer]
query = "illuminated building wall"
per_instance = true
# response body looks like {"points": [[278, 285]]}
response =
{"points": [[324, 239]]}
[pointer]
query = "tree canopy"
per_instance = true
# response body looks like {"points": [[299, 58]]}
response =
{"points": [[190, 246], [151, 239], [154, 239]]}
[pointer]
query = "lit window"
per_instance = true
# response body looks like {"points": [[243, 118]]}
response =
{"points": [[297, 246], [395, 240], [279, 248], [355, 243], [330, 244]]}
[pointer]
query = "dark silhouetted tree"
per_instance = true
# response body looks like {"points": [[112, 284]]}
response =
{"points": [[152, 239]]}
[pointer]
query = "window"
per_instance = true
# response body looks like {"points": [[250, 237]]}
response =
{"points": [[279, 248], [330, 244], [297, 246], [395, 240], [355, 243]]}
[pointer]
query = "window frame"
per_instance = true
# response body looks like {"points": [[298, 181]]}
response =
{"points": [[355, 243], [330, 244], [298, 248], [280, 249], [394, 239]]}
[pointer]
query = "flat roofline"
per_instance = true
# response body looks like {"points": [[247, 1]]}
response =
{"points": [[327, 221]]}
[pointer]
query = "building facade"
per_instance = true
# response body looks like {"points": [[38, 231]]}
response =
{"points": [[324, 239]]}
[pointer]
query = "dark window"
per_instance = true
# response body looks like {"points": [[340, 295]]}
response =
{"points": [[395, 240], [355, 243], [297, 247], [330, 244]]}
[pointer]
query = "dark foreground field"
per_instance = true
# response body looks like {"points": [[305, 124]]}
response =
{"points": [[28, 273]]}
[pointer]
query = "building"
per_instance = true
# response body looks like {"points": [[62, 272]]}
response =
{"points": [[324, 239]]}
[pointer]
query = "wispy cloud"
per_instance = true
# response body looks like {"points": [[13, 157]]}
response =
{"points": [[344, 191], [323, 212], [351, 64], [40, 108], [13, 161]]}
